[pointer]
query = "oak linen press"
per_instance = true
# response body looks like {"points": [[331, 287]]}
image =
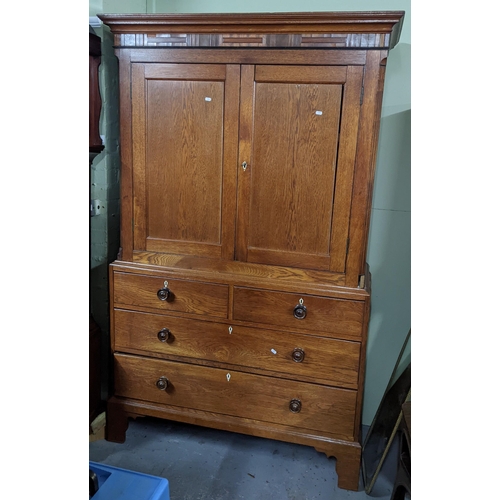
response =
{"points": [[240, 298]]}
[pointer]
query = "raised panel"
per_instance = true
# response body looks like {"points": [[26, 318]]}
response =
{"points": [[183, 195], [295, 144], [293, 172], [184, 158]]}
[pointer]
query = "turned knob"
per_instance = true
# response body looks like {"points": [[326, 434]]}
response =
{"points": [[162, 383], [164, 293], [163, 334], [300, 311], [295, 406], [298, 355]]}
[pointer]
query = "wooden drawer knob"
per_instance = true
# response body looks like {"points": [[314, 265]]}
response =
{"points": [[295, 406], [162, 383], [163, 334], [298, 355]]}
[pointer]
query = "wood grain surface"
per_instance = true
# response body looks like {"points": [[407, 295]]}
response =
{"points": [[248, 145], [236, 393], [327, 360], [186, 296], [277, 308]]}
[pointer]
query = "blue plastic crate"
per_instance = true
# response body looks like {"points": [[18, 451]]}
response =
{"points": [[122, 484]]}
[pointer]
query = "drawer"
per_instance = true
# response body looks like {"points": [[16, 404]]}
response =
{"points": [[322, 314], [330, 361], [133, 290], [298, 404]]}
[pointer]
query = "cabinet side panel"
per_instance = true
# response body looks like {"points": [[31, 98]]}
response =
{"points": [[126, 194], [345, 168], [364, 170], [362, 368]]}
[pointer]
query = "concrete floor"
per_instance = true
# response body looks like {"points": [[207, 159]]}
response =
{"points": [[206, 464]]}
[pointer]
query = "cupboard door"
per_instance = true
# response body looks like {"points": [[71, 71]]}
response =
{"points": [[184, 139], [298, 128]]}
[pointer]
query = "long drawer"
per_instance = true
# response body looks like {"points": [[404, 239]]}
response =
{"points": [[299, 404], [134, 290], [305, 312], [327, 360]]}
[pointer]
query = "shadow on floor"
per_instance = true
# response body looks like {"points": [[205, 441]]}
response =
{"points": [[207, 464]]}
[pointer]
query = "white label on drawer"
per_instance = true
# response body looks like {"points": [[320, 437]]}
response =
{"points": [[274, 351]]}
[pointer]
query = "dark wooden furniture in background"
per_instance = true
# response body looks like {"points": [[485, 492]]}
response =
{"points": [[95, 147], [240, 299], [95, 401], [95, 142]]}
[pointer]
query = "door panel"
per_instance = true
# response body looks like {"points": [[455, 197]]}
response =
{"points": [[194, 127], [184, 160], [293, 171], [295, 145], [179, 203]]}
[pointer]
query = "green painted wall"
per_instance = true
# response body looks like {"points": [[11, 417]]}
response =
{"points": [[389, 241], [104, 186]]}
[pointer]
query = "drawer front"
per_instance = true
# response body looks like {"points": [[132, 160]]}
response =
{"points": [[230, 392], [331, 361], [322, 314], [131, 290]]}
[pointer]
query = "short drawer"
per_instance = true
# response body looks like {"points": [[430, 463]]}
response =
{"points": [[299, 404], [132, 290], [331, 361], [305, 312]]}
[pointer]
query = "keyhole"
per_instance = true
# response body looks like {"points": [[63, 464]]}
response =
{"points": [[228, 376]]}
